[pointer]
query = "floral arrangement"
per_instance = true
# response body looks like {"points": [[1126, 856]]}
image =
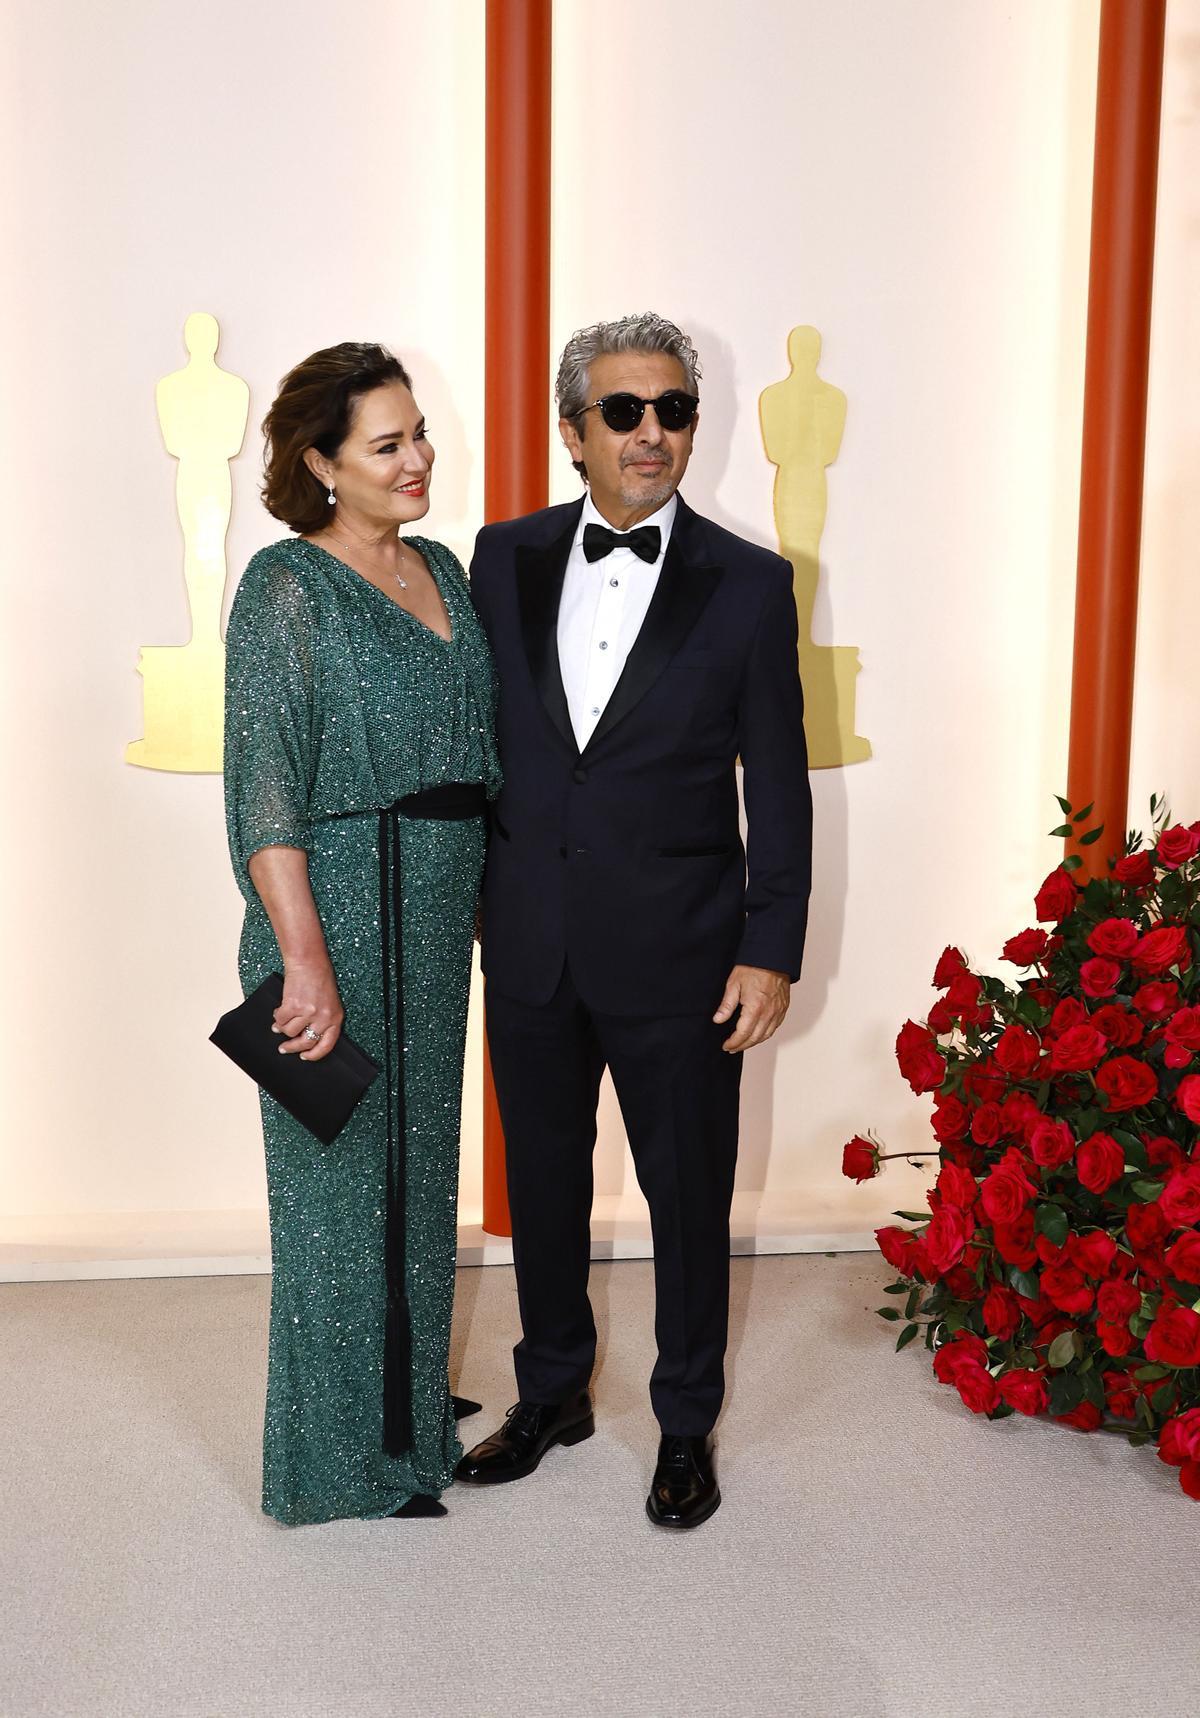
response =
{"points": [[1058, 1268]]}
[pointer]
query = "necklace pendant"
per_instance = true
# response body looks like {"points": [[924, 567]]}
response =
{"points": [[403, 583]]}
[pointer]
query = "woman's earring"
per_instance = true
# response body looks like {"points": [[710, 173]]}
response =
{"points": [[332, 497]]}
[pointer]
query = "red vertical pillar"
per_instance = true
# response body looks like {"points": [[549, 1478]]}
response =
{"points": [[517, 352], [1128, 105]]}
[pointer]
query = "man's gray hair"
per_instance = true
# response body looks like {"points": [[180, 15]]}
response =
{"points": [[644, 333]]}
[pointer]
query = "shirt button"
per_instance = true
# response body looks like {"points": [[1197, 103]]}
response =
{"points": [[603, 645], [595, 709], [614, 583]]}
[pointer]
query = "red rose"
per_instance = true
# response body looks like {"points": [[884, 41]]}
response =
{"points": [[1180, 1198], [962, 1351], [1120, 1397], [964, 992], [1056, 898], [1175, 1056], [1025, 1391], [960, 1282], [1187, 1097], [920, 1060], [943, 1241], [987, 1124], [1001, 1312], [1026, 948], [1127, 1084], [1014, 1241], [1179, 1440], [984, 1084], [1100, 1161], [1052, 1144], [1164, 1153], [1017, 1052], [951, 1117], [950, 963], [860, 1159], [1156, 1000], [1005, 1194], [1079, 1048], [1117, 1340], [1099, 977], [1066, 1287], [1085, 1418], [1067, 1013], [1116, 938], [1117, 1301], [1093, 1253], [1174, 1338], [1184, 1028], [1118, 1025], [1145, 1224], [1160, 950], [898, 1247], [978, 1389], [1176, 846], [1189, 1479], [1183, 1257], [1136, 870], [1019, 1115], [957, 1186]]}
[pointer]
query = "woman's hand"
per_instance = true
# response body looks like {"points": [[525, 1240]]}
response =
{"points": [[311, 1005]]}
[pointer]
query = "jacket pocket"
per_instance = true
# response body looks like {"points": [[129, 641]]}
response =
{"points": [[711, 852]]}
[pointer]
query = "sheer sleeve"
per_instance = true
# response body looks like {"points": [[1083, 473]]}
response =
{"points": [[269, 716]]}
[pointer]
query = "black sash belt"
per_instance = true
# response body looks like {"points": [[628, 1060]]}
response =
{"points": [[452, 801]]}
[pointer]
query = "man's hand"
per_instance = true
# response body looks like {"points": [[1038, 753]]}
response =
{"points": [[763, 997]]}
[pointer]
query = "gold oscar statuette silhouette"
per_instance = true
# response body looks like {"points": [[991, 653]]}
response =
{"points": [[202, 411], [802, 421]]}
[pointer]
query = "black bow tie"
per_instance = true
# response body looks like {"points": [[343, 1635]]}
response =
{"points": [[599, 541]]}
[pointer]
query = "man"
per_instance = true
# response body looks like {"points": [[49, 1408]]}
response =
{"points": [[641, 650]]}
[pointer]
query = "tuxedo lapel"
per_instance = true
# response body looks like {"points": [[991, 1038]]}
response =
{"points": [[541, 569], [685, 584]]}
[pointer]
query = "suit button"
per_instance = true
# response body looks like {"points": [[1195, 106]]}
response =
{"points": [[581, 852], [579, 775]]}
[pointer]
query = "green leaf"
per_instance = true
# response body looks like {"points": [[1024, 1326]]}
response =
{"points": [[1050, 1221], [1025, 1282], [1082, 816], [906, 1336], [1062, 1350], [894, 1288], [888, 1312], [1072, 862], [1145, 1412], [1063, 829], [1066, 1392], [1002, 1412], [914, 1296], [913, 1216], [1065, 803], [1137, 1439], [1147, 1190], [1092, 835], [1093, 1389], [1163, 1399], [1140, 1325], [1147, 1374]]}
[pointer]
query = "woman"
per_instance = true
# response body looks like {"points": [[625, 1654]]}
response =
{"points": [[359, 755]]}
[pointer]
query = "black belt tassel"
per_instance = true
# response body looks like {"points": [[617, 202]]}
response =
{"points": [[453, 800]]}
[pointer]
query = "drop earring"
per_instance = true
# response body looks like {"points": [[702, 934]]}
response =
{"points": [[332, 497]]}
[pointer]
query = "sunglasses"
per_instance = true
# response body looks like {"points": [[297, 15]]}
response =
{"points": [[624, 412]]}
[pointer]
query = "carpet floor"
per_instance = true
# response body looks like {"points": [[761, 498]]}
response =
{"points": [[880, 1552]]}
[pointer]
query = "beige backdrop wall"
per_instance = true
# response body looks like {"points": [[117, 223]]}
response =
{"points": [[913, 178]]}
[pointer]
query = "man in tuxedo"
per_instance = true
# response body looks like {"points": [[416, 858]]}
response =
{"points": [[641, 651]]}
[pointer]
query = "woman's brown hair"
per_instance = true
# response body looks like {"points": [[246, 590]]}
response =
{"points": [[315, 408]]}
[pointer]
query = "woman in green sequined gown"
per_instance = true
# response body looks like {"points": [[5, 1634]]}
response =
{"points": [[340, 701]]}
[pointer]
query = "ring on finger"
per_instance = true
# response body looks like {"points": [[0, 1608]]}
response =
{"points": [[313, 1037]]}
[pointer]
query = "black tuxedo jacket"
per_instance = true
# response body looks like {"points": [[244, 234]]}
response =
{"points": [[626, 860]]}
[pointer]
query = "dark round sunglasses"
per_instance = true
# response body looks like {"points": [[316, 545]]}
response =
{"points": [[624, 412]]}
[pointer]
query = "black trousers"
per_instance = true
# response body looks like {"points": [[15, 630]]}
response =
{"points": [[678, 1092]]}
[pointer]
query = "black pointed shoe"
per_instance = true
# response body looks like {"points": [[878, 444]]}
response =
{"points": [[463, 1407], [685, 1491], [528, 1432]]}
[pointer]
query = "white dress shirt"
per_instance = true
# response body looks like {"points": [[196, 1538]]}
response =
{"points": [[600, 615]]}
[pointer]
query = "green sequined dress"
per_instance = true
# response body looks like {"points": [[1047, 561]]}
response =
{"points": [[338, 704]]}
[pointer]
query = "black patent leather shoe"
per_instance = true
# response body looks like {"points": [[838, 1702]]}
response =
{"points": [[528, 1432], [685, 1491], [463, 1407]]}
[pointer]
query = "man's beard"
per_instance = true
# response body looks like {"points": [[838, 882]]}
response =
{"points": [[650, 494]]}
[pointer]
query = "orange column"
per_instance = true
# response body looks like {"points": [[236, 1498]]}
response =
{"points": [[1128, 103], [517, 353]]}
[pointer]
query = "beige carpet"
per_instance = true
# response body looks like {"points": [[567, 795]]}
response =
{"points": [[879, 1552]]}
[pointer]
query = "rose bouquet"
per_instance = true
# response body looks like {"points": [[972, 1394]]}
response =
{"points": [[1058, 1268]]}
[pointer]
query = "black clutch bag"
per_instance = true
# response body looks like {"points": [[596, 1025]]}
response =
{"points": [[321, 1095]]}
